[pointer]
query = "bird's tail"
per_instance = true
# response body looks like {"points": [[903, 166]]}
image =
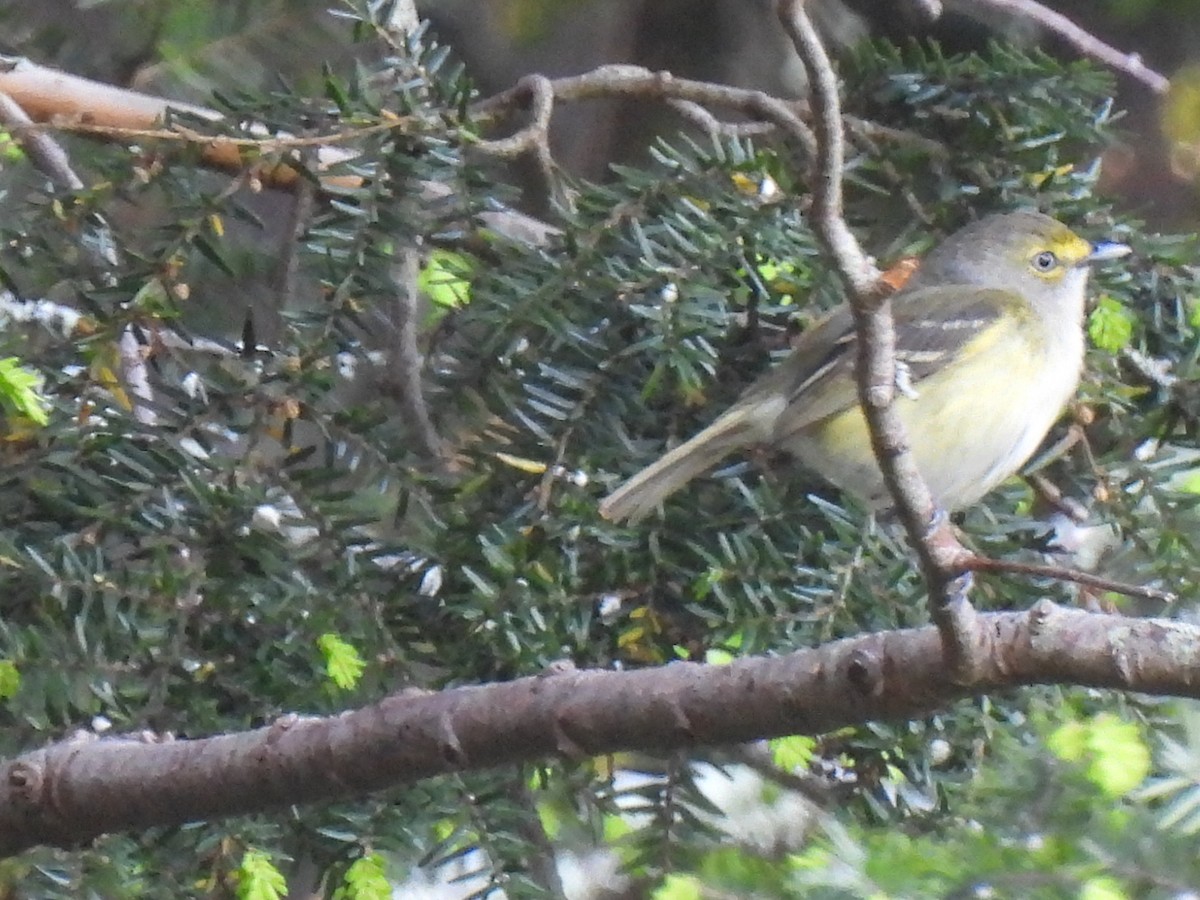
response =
{"points": [[641, 494]]}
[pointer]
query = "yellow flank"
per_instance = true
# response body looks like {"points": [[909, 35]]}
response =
{"points": [[951, 432]]}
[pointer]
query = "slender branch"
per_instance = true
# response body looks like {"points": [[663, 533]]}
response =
{"points": [[48, 156], [1050, 494], [1060, 573], [698, 115], [405, 360], [541, 861], [403, 370], [533, 140], [865, 128], [861, 276], [940, 553], [1087, 44], [539, 91], [640, 83], [44, 152], [136, 375], [287, 267], [66, 793]]}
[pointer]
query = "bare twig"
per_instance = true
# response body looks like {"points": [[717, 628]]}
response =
{"points": [[136, 376], [865, 128], [43, 151], [60, 101], [698, 115], [405, 361], [541, 861], [288, 266], [534, 137], [641, 83], [49, 158], [1050, 493], [940, 553], [533, 140], [1087, 44], [1059, 573]]}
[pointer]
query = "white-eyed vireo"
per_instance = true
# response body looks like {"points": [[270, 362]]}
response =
{"points": [[989, 348]]}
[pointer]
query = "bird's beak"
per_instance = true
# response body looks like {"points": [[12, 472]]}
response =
{"points": [[1106, 250]]}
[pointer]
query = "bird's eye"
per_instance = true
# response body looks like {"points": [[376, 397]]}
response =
{"points": [[1045, 261]]}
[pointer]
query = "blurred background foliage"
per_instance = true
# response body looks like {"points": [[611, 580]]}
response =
{"points": [[273, 538]]}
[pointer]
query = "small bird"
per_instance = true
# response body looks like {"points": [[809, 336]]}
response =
{"points": [[989, 349]]}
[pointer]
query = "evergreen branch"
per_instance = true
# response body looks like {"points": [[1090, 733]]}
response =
{"points": [[73, 791], [48, 156]]}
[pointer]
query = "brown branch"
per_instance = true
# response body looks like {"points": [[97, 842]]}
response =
{"points": [[636, 82], [68, 793], [937, 547], [1087, 44], [1061, 573], [287, 266], [70, 103], [533, 140], [62, 102], [866, 129], [405, 361], [698, 115], [1050, 493], [49, 158], [539, 92], [45, 153]]}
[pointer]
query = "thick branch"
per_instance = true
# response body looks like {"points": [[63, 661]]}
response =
{"points": [[71, 792]]}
